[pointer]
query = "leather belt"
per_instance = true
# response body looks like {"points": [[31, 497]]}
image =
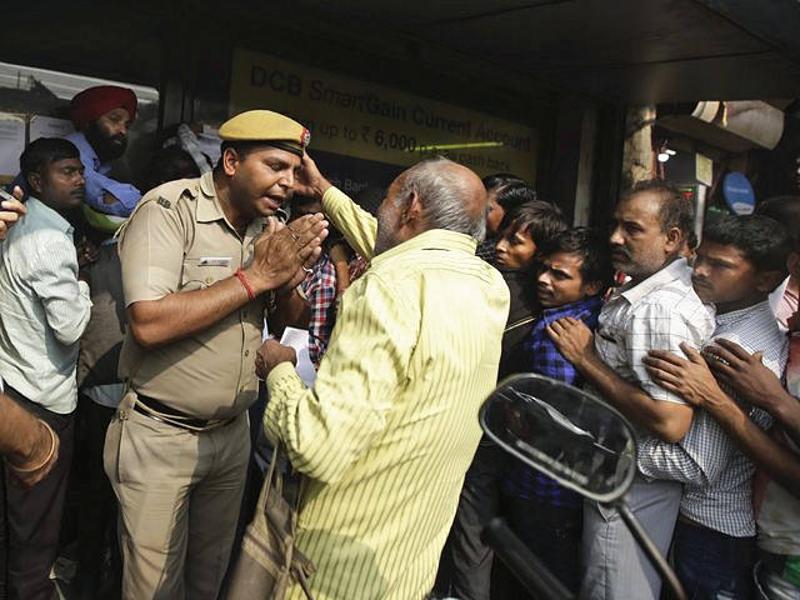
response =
{"points": [[150, 407]]}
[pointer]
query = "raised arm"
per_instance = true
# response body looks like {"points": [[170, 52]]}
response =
{"points": [[358, 226]]}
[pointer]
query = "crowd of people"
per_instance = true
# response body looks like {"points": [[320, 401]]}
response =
{"points": [[141, 366]]}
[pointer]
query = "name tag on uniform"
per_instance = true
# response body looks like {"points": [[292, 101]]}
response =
{"points": [[215, 261]]}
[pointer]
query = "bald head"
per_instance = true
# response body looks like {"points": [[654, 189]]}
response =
{"points": [[452, 196], [433, 194]]}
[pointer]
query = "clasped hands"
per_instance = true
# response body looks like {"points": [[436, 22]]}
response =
{"points": [[282, 253]]}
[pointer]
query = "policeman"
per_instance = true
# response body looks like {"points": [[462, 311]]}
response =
{"points": [[202, 261]]}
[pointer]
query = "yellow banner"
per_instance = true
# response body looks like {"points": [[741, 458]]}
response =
{"points": [[373, 122]]}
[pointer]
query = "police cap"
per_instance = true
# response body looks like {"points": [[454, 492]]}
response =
{"points": [[274, 129]]}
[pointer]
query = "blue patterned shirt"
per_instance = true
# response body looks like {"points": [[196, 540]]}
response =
{"points": [[521, 480]]}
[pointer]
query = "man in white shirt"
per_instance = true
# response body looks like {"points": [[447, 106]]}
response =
{"points": [[44, 309], [656, 310]]}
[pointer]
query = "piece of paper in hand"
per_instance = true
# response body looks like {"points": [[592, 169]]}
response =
{"points": [[298, 339]]}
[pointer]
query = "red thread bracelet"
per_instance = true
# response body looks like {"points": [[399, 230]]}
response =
{"points": [[239, 274]]}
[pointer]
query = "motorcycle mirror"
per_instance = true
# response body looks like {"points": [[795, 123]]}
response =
{"points": [[566, 433]]}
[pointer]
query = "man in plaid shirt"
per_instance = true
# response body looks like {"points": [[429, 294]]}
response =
{"points": [[576, 270], [319, 288]]}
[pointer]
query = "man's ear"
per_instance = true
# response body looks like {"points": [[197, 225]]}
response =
{"points": [[35, 183], [413, 210], [793, 264], [593, 288], [230, 161], [675, 240], [767, 281]]}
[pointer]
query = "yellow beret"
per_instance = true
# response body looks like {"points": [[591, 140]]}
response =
{"points": [[266, 126]]}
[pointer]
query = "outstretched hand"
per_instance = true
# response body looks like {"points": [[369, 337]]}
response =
{"points": [[310, 182]]}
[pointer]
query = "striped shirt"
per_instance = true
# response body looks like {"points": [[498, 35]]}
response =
{"points": [[717, 476], [44, 309], [390, 427]]}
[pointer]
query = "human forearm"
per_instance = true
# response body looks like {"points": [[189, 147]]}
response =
{"points": [[179, 315], [20, 433], [785, 408], [357, 225], [100, 187], [69, 314], [322, 439], [291, 310], [666, 420], [28, 444], [777, 461], [662, 460]]}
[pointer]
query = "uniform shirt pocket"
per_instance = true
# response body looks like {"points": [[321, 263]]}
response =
{"points": [[201, 272]]}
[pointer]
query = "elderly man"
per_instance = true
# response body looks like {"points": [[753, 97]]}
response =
{"points": [[386, 434], [102, 116], [200, 261]]}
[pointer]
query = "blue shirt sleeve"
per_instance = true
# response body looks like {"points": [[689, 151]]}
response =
{"points": [[97, 185]]}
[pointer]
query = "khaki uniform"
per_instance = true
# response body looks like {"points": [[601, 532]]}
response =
{"points": [[179, 491]]}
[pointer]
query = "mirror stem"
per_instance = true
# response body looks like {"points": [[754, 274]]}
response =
{"points": [[523, 563], [658, 561]]}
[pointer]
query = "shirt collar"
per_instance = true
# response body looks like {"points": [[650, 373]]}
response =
{"points": [[585, 304], [433, 239], [737, 315], [41, 211], [87, 152], [208, 208], [677, 270]]}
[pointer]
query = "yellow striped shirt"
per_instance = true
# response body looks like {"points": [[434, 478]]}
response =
{"points": [[386, 434]]}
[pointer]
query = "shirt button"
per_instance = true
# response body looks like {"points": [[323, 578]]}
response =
{"points": [[247, 353], [209, 280]]}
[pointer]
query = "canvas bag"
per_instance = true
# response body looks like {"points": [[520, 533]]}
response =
{"points": [[269, 563]]}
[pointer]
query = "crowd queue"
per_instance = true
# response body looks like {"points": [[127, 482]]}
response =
{"points": [[136, 376]]}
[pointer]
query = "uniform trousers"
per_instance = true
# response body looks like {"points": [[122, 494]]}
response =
{"points": [[615, 566], [179, 495]]}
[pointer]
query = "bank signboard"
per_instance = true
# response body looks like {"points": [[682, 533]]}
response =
{"points": [[366, 121]]}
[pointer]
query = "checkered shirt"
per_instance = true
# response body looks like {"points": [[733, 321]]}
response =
{"points": [[717, 475], [656, 314], [320, 289], [522, 481]]}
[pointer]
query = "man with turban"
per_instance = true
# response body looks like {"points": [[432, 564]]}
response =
{"points": [[102, 115]]}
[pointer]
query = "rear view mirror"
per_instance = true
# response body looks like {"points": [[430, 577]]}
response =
{"points": [[566, 433]]}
